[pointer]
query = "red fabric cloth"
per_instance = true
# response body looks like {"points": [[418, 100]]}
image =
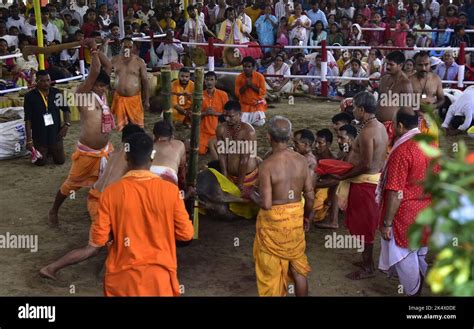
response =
{"points": [[362, 213], [390, 132], [406, 171], [332, 166]]}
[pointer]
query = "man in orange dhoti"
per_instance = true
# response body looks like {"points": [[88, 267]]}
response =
{"points": [[182, 91], [97, 122], [279, 247], [131, 81], [145, 216], [250, 90], [115, 169], [213, 106]]}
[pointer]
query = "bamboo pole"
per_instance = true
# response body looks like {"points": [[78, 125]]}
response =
{"points": [[39, 31], [166, 93], [192, 203]]}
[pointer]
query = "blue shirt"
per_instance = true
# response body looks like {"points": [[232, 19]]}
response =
{"points": [[317, 16], [452, 71]]}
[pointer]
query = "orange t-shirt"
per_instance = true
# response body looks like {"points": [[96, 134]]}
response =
{"points": [[250, 100], [216, 102], [181, 100], [145, 216], [209, 123]]}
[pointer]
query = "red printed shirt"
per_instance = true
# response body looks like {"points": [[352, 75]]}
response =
{"points": [[406, 171]]}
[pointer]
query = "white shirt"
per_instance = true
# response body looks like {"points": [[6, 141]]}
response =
{"points": [[280, 9], [81, 10], [434, 6], [28, 29], [349, 12], [71, 59], [421, 33], [170, 52], [463, 106], [191, 33], [12, 40], [52, 32], [18, 23], [246, 25]]}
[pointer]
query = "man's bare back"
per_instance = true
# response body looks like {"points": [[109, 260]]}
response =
{"points": [[288, 172], [373, 138], [170, 154], [390, 85]]}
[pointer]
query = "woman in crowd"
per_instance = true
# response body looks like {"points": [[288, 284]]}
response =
{"points": [[318, 34]]}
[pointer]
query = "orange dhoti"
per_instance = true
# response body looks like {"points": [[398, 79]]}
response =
{"points": [[128, 109], [86, 165], [279, 245]]}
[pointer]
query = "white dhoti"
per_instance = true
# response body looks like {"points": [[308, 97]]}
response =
{"points": [[410, 265], [254, 118], [286, 89], [165, 173]]}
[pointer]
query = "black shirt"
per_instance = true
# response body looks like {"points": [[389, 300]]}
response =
{"points": [[34, 111]]}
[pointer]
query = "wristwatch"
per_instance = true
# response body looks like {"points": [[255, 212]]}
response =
{"points": [[385, 224], [67, 124]]}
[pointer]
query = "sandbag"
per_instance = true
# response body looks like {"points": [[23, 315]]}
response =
{"points": [[12, 132]]}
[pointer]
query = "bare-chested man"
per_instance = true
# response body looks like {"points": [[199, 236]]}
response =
{"points": [[279, 247], [131, 83], [237, 149], [169, 160], [368, 154], [395, 87], [97, 122], [325, 188], [303, 144], [346, 135], [427, 85], [115, 169]]}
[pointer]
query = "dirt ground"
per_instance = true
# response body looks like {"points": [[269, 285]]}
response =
{"points": [[220, 263]]}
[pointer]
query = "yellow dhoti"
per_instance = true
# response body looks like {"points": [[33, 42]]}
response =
{"points": [[320, 206], [279, 244]]}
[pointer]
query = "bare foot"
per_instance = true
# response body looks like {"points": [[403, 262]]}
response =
{"points": [[53, 218], [46, 273], [360, 274], [326, 225]]}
